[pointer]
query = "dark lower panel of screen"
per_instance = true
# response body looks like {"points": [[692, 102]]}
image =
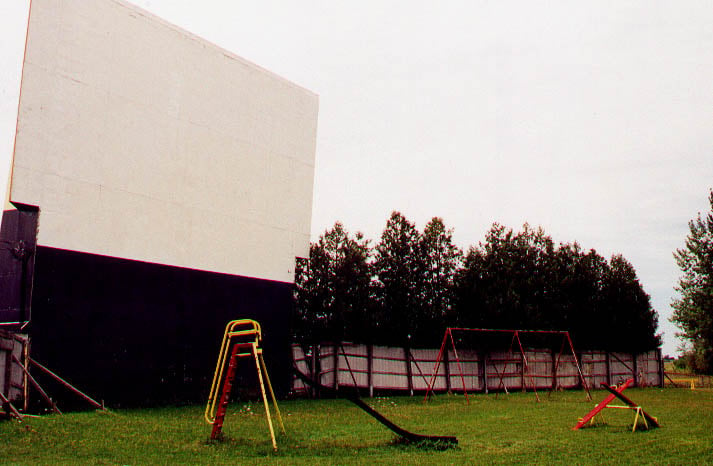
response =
{"points": [[134, 333]]}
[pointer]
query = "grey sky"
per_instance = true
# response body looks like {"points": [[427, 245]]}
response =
{"points": [[592, 120]]}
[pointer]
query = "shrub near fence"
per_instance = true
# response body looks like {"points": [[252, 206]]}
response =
{"points": [[380, 368]]}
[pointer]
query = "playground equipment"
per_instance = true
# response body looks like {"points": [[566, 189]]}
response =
{"points": [[616, 392], [565, 341], [438, 441], [242, 338]]}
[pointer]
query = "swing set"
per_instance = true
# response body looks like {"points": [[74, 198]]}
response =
{"points": [[515, 342], [243, 338]]}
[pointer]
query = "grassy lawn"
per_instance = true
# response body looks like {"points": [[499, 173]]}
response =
{"points": [[512, 429]]}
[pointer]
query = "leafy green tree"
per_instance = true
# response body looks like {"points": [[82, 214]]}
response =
{"points": [[333, 289], [693, 311]]}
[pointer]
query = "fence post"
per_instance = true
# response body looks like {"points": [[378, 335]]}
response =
{"points": [[482, 371], [636, 370], [608, 366], [409, 380], [661, 368], [370, 368], [447, 370], [553, 386], [336, 366], [316, 369]]}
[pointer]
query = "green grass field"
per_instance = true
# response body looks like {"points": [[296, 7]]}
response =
{"points": [[512, 429]]}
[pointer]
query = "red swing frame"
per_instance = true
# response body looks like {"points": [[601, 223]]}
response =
{"points": [[448, 335]]}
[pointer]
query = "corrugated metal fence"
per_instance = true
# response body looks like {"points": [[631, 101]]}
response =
{"points": [[380, 368]]}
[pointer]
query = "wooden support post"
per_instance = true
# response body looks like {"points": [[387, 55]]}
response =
{"points": [[26, 367], [661, 368], [9, 407], [69, 386], [482, 371], [37, 386], [8, 370], [608, 366], [636, 370]]}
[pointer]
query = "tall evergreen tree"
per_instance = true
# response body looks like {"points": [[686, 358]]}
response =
{"points": [[333, 289], [400, 268], [630, 320], [442, 259], [520, 280], [505, 282], [693, 311], [419, 283], [579, 284]]}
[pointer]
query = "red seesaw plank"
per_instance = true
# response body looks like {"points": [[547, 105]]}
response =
{"points": [[602, 404], [649, 419]]}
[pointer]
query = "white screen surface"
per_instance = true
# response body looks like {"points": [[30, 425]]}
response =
{"points": [[139, 140]]}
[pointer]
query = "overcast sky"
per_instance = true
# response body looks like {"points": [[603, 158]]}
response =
{"points": [[593, 120]]}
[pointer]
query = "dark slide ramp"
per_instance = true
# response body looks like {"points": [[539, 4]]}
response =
{"points": [[438, 441]]}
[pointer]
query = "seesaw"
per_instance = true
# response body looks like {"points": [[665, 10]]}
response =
{"points": [[616, 392]]}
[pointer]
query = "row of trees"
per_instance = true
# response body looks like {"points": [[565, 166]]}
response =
{"points": [[693, 310], [411, 285]]}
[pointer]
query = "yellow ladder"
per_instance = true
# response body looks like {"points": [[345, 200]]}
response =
{"points": [[242, 338]]}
